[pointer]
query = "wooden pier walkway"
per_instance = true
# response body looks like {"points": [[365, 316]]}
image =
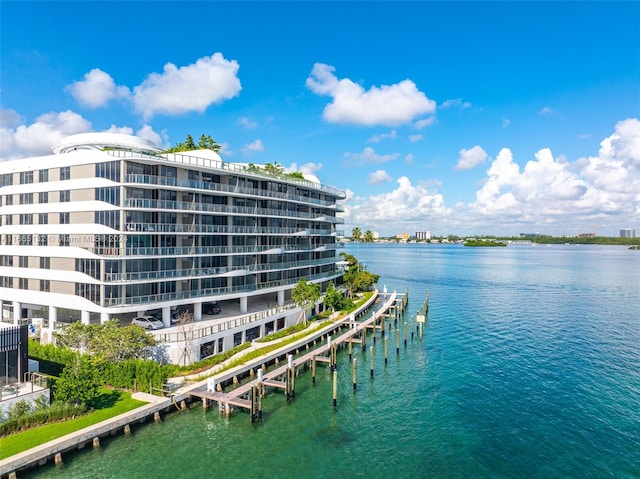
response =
{"points": [[244, 396]]}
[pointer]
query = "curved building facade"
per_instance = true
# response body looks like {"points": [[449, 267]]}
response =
{"points": [[110, 226]]}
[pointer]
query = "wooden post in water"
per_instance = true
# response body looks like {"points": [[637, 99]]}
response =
{"points": [[371, 360], [412, 326], [335, 389], [373, 315], [355, 370], [405, 334], [382, 316], [364, 338], [291, 378], [57, 459], [334, 356], [397, 342], [260, 393], [156, 417], [420, 327], [313, 370], [386, 350], [350, 355], [96, 443]]}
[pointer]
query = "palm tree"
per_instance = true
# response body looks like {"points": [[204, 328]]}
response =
{"points": [[356, 234], [367, 238]]}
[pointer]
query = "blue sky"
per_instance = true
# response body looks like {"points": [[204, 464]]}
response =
{"points": [[450, 117]]}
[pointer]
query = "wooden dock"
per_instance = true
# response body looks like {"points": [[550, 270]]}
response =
{"points": [[283, 377]]}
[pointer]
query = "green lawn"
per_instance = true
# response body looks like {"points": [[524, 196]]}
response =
{"points": [[110, 404]]}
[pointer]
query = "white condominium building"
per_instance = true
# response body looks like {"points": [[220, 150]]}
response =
{"points": [[109, 226]]}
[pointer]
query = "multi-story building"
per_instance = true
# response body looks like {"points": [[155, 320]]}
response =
{"points": [[423, 235], [109, 226], [627, 233]]}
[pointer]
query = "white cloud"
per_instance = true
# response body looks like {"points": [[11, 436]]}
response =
{"points": [[548, 111], [388, 105], [189, 88], [225, 149], [39, 137], [97, 89], [409, 159], [506, 122], [253, 147], [415, 138], [420, 124], [561, 195], [379, 176], [471, 158], [160, 139], [247, 123], [368, 156], [383, 136], [397, 210], [456, 103], [9, 118], [309, 168]]}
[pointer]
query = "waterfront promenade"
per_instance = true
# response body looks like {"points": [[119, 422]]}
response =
{"points": [[90, 437]]}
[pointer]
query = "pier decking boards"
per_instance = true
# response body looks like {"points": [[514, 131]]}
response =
{"points": [[241, 396]]}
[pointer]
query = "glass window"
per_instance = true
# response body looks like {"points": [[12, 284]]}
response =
{"points": [[26, 219], [65, 196], [43, 197], [63, 240], [8, 200], [45, 285], [64, 218], [65, 173], [45, 263], [8, 220], [43, 218], [43, 176], [26, 198], [26, 177], [23, 261], [23, 283]]}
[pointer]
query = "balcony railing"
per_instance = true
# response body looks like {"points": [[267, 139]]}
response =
{"points": [[209, 292]]}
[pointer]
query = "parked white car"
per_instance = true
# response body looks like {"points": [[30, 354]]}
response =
{"points": [[148, 322]]}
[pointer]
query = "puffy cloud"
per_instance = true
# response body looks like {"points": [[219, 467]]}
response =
{"points": [[253, 147], [225, 149], [247, 123], [379, 176], [193, 87], [415, 138], [409, 159], [160, 139], [368, 156], [9, 118], [97, 89], [388, 105], [309, 168], [397, 210], [39, 137], [383, 136], [553, 192], [471, 158]]}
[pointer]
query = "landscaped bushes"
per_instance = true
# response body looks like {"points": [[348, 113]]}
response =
{"points": [[23, 415], [51, 358], [135, 374]]}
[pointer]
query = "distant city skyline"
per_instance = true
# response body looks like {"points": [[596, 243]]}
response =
{"points": [[466, 118]]}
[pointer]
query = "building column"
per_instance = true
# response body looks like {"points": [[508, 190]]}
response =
{"points": [[53, 317], [104, 317], [1, 310], [197, 311], [17, 312], [166, 316], [84, 316], [243, 304], [281, 297]]}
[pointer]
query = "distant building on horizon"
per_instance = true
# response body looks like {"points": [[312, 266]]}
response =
{"points": [[627, 233], [403, 236], [423, 235]]}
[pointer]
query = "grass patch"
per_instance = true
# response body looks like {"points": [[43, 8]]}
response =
{"points": [[116, 402]]}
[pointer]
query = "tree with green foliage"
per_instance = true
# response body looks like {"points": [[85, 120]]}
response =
{"points": [[78, 382], [368, 236], [333, 298], [357, 278], [206, 142], [305, 294], [108, 340]]}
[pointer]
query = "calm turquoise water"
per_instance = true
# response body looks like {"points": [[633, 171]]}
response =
{"points": [[529, 368]]}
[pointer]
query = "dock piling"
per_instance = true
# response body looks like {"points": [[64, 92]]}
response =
{"points": [[355, 370]]}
